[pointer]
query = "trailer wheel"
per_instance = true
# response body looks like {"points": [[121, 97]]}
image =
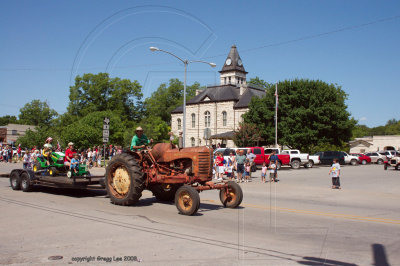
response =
{"points": [[164, 192], [15, 181], [26, 184], [124, 180], [232, 196], [187, 200]]}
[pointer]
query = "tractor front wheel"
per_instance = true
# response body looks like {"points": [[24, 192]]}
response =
{"points": [[231, 196], [187, 200], [124, 180]]}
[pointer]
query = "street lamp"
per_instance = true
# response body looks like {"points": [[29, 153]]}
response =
{"points": [[185, 62]]}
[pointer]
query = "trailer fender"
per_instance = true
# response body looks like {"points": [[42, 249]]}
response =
{"points": [[29, 172]]}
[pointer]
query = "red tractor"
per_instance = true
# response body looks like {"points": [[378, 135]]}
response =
{"points": [[171, 174]]}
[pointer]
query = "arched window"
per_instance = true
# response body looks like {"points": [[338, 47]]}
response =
{"points": [[192, 141], [224, 118], [179, 124], [193, 120], [207, 119]]}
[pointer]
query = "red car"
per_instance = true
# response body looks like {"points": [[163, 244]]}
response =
{"points": [[362, 159]]}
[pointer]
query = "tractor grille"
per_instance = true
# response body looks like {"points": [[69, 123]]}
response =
{"points": [[205, 164]]}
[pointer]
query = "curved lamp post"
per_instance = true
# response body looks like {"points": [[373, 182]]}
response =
{"points": [[185, 62]]}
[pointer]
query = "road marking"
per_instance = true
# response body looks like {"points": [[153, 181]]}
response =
{"points": [[326, 214]]}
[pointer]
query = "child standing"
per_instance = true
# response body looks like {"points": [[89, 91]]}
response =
{"points": [[334, 172], [263, 172], [247, 169], [229, 169], [272, 167], [27, 160]]}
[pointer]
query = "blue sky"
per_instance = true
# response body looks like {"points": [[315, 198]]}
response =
{"points": [[45, 44]]}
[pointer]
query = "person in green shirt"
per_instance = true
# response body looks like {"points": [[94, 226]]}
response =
{"points": [[139, 141]]}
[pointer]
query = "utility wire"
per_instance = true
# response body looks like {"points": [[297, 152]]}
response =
{"points": [[308, 37]]}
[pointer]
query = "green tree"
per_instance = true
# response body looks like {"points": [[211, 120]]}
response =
{"points": [[38, 136], [8, 119], [88, 131], [260, 83], [37, 113], [247, 135], [167, 97], [98, 92], [310, 113]]}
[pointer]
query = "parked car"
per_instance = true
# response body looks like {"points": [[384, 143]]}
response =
{"points": [[394, 162], [313, 160], [262, 155], [389, 154], [326, 157], [362, 159], [376, 157], [350, 159], [296, 157]]}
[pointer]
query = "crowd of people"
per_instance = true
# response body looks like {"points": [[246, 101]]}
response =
{"points": [[238, 167], [90, 156]]}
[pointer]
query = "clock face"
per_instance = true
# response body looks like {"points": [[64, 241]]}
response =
{"points": [[240, 62], [228, 61]]}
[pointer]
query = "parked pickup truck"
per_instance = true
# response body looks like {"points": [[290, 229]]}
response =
{"points": [[262, 155], [313, 160]]}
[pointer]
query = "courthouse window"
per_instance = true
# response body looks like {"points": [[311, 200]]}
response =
{"points": [[192, 141], [193, 120], [207, 119], [179, 124], [224, 115]]}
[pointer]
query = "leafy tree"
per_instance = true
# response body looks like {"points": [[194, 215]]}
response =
{"points": [[36, 113], [247, 135], [37, 137], [311, 112], [8, 119], [88, 131], [260, 83], [99, 92], [167, 97]]}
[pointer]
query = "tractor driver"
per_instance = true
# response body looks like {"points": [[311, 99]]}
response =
{"points": [[139, 141], [47, 149]]}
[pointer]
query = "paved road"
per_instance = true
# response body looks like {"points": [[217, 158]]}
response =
{"points": [[299, 220]]}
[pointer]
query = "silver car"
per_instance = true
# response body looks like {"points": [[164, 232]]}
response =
{"points": [[376, 157]]}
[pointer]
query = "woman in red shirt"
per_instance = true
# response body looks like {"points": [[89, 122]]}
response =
{"points": [[220, 164]]}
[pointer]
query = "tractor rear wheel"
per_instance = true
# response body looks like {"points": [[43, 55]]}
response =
{"points": [[164, 192], [124, 180], [232, 196], [187, 200], [15, 181]]}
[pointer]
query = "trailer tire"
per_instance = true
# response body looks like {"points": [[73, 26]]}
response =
{"points": [[124, 180], [233, 198], [187, 200], [26, 184], [164, 192], [15, 181]]}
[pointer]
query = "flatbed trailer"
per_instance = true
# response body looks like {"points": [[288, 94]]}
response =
{"points": [[25, 180]]}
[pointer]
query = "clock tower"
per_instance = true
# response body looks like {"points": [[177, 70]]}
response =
{"points": [[233, 71]]}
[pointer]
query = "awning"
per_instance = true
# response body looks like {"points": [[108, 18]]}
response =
{"points": [[225, 135]]}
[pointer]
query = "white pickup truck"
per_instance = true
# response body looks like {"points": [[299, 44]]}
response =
{"points": [[297, 159], [350, 159]]}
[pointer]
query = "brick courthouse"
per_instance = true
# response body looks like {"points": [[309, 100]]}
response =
{"points": [[219, 108]]}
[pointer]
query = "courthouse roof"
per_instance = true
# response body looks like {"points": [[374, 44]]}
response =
{"points": [[235, 65], [223, 93]]}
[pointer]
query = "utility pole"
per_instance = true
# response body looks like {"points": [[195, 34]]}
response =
{"points": [[276, 115]]}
